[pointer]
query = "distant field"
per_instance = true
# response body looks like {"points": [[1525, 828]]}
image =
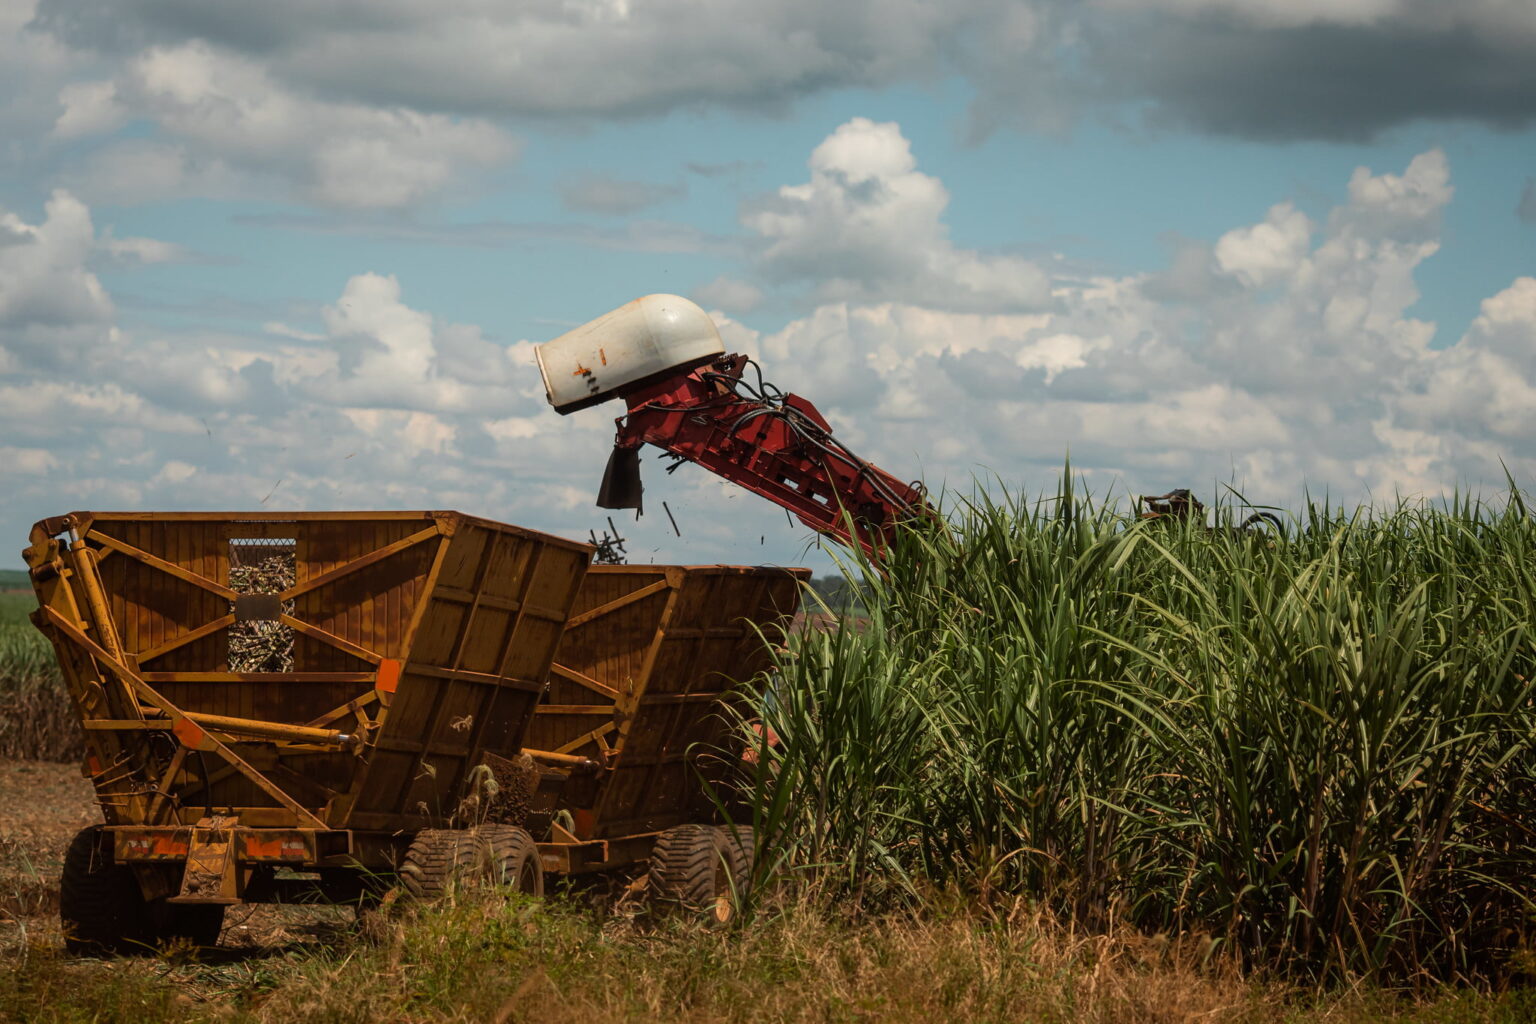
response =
{"points": [[15, 606], [36, 721]]}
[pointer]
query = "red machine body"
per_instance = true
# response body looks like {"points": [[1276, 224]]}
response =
{"points": [[773, 444]]}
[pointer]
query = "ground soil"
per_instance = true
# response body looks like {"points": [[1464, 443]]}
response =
{"points": [[42, 806]]}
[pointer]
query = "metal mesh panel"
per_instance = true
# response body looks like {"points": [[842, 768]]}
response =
{"points": [[260, 568]]}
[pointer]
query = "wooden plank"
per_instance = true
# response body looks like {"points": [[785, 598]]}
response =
{"points": [[458, 595], [426, 594], [347, 568], [155, 562], [465, 675], [711, 632], [353, 706], [574, 709], [692, 697], [582, 679], [612, 606], [206, 629], [430, 727], [254, 517], [330, 638], [257, 677], [585, 738]]}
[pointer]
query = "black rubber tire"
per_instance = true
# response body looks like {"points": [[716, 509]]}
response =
{"points": [[511, 858], [436, 861], [740, 854], [100, 905], [689, 871]]}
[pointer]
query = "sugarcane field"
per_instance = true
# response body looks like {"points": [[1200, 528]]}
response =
{"points": [[726, 512]]}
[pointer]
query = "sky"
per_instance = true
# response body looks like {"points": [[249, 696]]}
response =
{"points": [[296, 255]]}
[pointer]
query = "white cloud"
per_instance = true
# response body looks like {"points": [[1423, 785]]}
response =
{"points": [[1260, 255], [52, 306], [225, 123], [174, 472], [728, 293], [282, 330], [25, 462], [383, 353], [1485, 385], [90, 108], [869, 226]]}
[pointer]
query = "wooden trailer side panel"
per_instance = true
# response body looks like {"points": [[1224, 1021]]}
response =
{"points": [[603, 656], [671, 644], [479, 659]]}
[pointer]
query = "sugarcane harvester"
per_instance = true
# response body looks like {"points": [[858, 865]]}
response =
{"points": [[664, 358]]}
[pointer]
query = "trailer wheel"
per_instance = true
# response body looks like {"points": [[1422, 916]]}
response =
{"points": [[100, 905], [740, 853], [689, 869], [512, 858], [435, 861]]}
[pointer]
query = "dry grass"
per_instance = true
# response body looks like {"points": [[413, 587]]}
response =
{"points": [[556, 962]]}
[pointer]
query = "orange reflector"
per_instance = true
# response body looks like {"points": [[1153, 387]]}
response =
{"points": [[389, 675], [189, 733]]}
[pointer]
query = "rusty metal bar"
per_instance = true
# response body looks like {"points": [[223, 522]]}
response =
{"points": [[562, 760], [270, 730]]}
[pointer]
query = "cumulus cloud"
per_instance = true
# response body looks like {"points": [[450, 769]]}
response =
{"points": [[1485, 385], [225, 123], [729, 294], [378, 352], [869, 226], [34, 67], [52, 305]]}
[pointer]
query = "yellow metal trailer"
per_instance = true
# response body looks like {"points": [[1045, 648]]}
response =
{"points": [[303, 691]]}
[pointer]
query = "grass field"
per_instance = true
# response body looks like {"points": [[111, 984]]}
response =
{"points": [[1069, 766]]}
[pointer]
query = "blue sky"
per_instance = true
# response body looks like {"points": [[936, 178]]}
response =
{"points": [[297, 253]]}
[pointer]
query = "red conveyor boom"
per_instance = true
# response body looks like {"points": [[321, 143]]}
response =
{"points": [[773, 444]]}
